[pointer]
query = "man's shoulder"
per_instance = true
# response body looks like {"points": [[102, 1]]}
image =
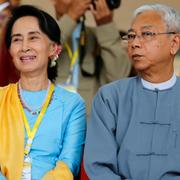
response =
{"points": [[122, 83], [119, 87]]}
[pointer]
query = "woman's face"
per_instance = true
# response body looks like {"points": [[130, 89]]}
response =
{"points": [[30, 48]]}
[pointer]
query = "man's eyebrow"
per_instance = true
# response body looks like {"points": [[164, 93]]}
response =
{"points": [[130, 30], [143, 27]]}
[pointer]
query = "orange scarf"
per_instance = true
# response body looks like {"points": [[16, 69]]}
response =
{"points": [[11, 133], [12, 139]]}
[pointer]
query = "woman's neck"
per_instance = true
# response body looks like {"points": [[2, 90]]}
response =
{"points": [[34, 83]]}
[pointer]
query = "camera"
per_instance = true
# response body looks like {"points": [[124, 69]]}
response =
{"points": [[112, 4]]}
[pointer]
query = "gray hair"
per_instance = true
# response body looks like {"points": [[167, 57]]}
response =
{"points": [[168, 14]]}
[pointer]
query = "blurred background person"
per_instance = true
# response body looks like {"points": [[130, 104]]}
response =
{"points": [[4, 13], [5, 9], [95, 56], [8, 72]]}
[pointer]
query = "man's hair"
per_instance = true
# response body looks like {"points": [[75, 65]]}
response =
{"points": [[168, 14]]}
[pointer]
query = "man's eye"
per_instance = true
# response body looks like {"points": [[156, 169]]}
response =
{"points": [[131, 36], [147, 34]]}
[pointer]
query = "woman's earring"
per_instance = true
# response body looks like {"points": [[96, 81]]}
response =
{"points": [[53, 61], [55, 56]]}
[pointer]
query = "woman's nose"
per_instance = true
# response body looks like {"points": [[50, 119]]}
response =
{"points": [[25, 46]]}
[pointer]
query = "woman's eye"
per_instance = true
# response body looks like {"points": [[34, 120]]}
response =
{"points": [[33, 37], [15, 40]]}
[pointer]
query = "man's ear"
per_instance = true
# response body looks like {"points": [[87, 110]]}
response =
{"points": [[175, 44]]}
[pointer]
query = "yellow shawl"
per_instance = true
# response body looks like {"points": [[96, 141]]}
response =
{"points": [[12, 139]]}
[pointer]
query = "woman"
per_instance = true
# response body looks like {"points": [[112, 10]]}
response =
{"points": [[42, 126]]}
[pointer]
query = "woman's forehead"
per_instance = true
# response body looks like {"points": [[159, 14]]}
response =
{"points": [[26, 23]]}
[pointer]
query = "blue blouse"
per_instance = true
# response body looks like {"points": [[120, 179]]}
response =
{"points": [[61, 134]]}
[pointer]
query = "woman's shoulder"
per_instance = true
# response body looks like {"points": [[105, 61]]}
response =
{"points": [[67, 96], [11, 86], [7, 90]]}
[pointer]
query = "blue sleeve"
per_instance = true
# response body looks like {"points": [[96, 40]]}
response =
{"points": [[2, 177], [101, 161], [74, 136]]}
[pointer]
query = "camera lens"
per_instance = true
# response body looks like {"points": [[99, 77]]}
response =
{"points": [[113, 4]]}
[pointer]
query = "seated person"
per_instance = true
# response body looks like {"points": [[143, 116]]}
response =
{"points": [[134, 129], [42, 125]]}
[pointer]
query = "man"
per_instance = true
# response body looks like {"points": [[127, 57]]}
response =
{"points": [[102, 41], [134, 129]]}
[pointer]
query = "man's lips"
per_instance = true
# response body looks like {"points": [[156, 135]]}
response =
{"points": [[136, 56]]}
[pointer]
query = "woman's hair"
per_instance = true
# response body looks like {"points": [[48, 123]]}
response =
{"points": [[168, 14], [46, 24]]}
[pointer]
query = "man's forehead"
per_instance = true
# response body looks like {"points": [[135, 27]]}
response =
{"points": [[148, 20]]}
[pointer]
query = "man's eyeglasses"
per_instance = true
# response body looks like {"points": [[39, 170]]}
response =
{"points": [[145, 36]]}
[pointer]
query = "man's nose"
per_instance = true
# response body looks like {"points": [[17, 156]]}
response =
{"points": [[137, 42]]}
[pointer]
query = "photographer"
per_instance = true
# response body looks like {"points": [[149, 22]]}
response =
{"points": [[101, 57]]}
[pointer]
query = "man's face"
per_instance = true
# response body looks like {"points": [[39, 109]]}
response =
{"points": [[61, 6], [150, 52]]}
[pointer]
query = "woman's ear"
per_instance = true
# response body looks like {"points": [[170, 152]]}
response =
{"points": [[175, 44], [58, 49], [55, 49], [55, 52]]}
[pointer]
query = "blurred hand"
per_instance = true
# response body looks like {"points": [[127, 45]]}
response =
{"points": [[102, 13], [77, 8]]}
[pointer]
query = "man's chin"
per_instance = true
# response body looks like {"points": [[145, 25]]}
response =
{"points": [[139, 67]]}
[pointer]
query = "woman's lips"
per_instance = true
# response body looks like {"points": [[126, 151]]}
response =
{"points": [[27, 58]]}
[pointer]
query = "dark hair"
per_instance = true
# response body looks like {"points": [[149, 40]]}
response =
{"points": [[46, 23]]}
